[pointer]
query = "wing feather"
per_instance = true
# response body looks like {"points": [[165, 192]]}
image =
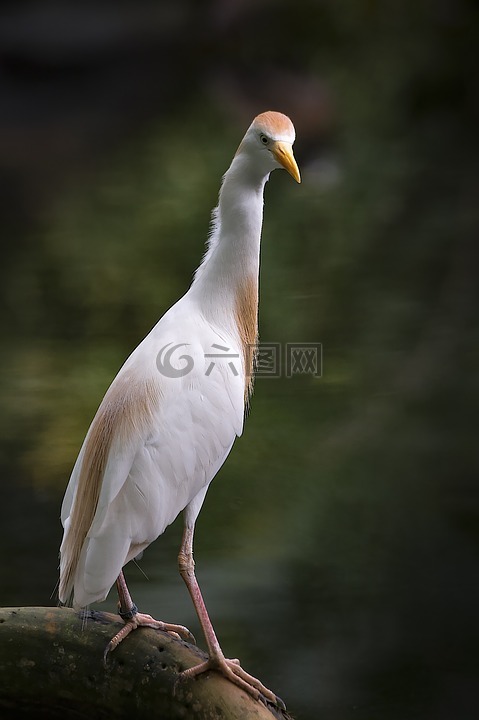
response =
{"points": [[119, 426], [154, 445]]}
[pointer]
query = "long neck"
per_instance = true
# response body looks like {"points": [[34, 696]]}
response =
{"points": [[234, 244], [226, 282]]}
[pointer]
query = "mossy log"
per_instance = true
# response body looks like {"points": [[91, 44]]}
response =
{"points": [[51, 666]]}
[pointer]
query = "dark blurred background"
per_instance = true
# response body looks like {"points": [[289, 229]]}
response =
{"points": [[338, 546]]}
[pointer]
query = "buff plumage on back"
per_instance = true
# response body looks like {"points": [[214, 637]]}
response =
{"points": [[125, 412], [247, 326]]}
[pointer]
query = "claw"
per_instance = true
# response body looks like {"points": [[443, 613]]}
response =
{"points": [[232, 670], [140, 620], [280, 703]]}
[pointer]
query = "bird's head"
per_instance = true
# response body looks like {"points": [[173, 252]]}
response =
{"points": [[269, 140]]}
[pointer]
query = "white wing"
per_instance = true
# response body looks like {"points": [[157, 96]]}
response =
{"points": [[154, 444]]}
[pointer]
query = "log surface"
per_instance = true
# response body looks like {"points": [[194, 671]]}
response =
{"points": [[51, 666]]}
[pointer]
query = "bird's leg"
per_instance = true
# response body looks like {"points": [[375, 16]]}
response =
{"points": [[134, 619], [231, 669]]}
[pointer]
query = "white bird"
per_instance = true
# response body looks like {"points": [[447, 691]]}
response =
{"points": [[171, 415]]}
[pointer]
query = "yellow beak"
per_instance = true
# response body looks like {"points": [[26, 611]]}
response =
{"points": [[283, 153]]}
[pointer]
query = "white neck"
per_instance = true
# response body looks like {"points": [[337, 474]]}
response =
{"points": [[233, 250]]}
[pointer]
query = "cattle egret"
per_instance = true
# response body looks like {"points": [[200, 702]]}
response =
{"points": [[171, 415]]}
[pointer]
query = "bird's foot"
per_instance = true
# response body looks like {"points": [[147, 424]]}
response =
{"points": [[232, 670], [136, 620]]}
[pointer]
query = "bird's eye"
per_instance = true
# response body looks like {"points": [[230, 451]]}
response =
{"points": [[263, 139]]}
